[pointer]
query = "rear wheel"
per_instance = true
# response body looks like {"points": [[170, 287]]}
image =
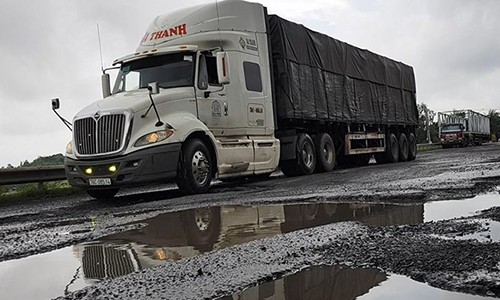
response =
{"points": [[325, 152], [391, 154], [305, 161], [403, 147], [412, 147], [194, 173], [102, 194]]}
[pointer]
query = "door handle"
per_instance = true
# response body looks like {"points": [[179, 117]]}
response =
{"points": [[225, 109]]}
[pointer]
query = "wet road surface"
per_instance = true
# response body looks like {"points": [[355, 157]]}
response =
{"points": [[154, 232]]}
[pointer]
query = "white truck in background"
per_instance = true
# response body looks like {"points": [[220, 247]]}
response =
{"points": [[224, 90], [463, 128]]}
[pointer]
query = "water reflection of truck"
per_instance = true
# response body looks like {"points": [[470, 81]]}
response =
{"points": [[177, 235], [226, 90], [463, 128], [318, 283]]}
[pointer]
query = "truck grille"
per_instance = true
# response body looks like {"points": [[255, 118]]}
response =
{"points": [[99, 136], [101, 262]]}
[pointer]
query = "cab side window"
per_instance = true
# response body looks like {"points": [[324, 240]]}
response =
{"points": [[213, 79], [208, 72], [253, 79]]}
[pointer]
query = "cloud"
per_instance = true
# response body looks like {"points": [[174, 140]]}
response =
{"points": [[49, 49]]}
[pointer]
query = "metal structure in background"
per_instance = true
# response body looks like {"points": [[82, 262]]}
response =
{"points": [[31, 175]]}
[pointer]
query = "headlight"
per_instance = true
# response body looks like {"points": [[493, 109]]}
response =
{"points": [[69, 148], [154, 137]]}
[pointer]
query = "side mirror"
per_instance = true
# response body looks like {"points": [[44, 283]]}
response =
{"points": [[55, 103], [223, 68], [55, 106], [153, 88], [106, 86]]}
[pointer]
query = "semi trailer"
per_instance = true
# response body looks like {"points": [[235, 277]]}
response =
{"points": [[463, 128], [225, 90]]}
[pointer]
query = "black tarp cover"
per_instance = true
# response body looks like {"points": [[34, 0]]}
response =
{"points": [[319, 77]]}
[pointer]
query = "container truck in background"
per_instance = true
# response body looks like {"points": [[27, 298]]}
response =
{"points": [[224, 90], [463, 128]]}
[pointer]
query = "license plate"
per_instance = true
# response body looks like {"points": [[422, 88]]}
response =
{"points": [[99, 181]]}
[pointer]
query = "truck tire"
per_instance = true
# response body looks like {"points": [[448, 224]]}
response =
{"points": [[306, 154], [305, 161], [412, 147], [194, 173], [403, 147], [202, 227], [391, 154], [103, 194], [325, 152]]}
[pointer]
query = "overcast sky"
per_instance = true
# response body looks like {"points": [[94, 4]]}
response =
{"points": [[49, 48]]}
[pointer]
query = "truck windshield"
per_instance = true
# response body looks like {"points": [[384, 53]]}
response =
{"points": [[451, 128], [172, 70]]}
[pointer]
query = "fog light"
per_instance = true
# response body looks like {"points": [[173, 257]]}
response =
{"points": [[112, 168], [88, 171]]}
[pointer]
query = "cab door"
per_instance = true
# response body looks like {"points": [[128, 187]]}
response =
{"points": [[211, 97], [223, 116]]}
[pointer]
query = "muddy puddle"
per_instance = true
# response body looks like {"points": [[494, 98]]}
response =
{"points": [[177, 235], [328, 283]]}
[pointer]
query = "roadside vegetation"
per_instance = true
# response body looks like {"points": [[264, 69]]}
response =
{"points": [[20, 193]]}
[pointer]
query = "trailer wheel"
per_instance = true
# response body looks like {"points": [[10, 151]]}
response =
{"points": [[306, 154], [403, 147], [102, 194], [325, 152], [194, 173], [391, 154], [305, 161], [412, 147]]}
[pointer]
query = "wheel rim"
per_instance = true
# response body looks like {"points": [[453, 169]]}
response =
{"points": [[202, 217], [327, 153], [308, 155], [309, 211], [200, 167]]}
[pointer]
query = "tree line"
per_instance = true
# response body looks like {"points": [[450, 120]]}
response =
{"points": [[51, 160]]}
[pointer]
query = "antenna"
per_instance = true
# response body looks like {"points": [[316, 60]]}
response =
{"points": [[100, 47], [218, 21]]}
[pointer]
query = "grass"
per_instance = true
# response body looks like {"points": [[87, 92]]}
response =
{"points": [[428, 147], [23, 193]]}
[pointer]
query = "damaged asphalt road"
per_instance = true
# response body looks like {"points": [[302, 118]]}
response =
{"points": [[456, 255]]}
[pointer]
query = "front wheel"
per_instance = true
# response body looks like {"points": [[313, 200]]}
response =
{"points": [[194, 173]]}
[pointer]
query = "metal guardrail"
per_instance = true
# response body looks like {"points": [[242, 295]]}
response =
{"points": [[31, 175], [426, 147]]}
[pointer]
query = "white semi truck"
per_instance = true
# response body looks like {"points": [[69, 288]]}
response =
{"points": [[463, 128], [224, 90]]}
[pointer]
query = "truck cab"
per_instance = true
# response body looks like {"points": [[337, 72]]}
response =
{"points": [[192, 103], [453, 134]]}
